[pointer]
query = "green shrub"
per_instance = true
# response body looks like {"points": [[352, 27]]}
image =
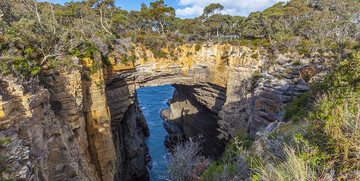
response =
{"points": [[259, 43], [305, 47], [335, 129], [93, 69], [180, 40], [162, 54], [132, 58], [297, 109], [256, 76], [197, 47], [199, 44], [76, 53], [356, 46], [255, 56], [106, 63], [296, 62], [294, 167], [90, 50], [343, 78], [172, 53], [125, 60], [330, 145], [241, 139], [234, 163], [283, 49], [100, 84], [29, 51], [21, 67], [4, 142], [307, 78]]}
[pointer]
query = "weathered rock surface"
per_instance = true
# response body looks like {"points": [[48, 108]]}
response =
{"points": [[42, 144], [272, 141], [129, 129], [98, 122], [175, 134], [98, 131]]}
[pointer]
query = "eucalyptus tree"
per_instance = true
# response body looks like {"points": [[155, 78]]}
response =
{"points": [[193, 26], [212, 9], [103, 7], [237, 25], [161, 15], [218, 23], [213, 20]]}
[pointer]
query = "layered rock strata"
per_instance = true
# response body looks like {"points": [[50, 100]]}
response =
{"points": [[129, 129], [46, 140], [88, 126]]}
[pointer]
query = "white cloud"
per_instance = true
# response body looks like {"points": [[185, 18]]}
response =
{"points": [[232, 7], [190, 11]]}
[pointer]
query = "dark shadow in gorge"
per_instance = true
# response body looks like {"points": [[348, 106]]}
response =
{"points": [[129, 128], [194, 117]]}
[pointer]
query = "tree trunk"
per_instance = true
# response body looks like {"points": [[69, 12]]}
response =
{"points": [[37, 13], [53, 16], [102, 24], [162, 27]]}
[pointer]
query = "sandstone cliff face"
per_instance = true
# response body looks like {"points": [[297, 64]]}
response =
{"points": [[129, 129], [252, 91], [98, 131], [43, 144], [98, 122]]}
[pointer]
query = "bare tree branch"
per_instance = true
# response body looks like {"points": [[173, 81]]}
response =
{"points": [[45, 59], [101, 21], [37, 13], [53, 16]]}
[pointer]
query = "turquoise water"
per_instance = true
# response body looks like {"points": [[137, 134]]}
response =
{"points": [[152, 101]]}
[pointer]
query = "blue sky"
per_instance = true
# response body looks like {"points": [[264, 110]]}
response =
{"points": [[193, 8]]}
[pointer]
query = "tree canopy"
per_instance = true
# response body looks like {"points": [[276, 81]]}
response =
{"points": [[34, 34], [212, 9]]}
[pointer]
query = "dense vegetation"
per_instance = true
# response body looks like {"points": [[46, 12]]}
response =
{"points": [[37, 35], [323, 143]]}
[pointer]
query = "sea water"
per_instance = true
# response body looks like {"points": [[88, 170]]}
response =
{"points": [[152, 100]]}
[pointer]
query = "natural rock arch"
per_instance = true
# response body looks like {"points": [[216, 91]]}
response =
{"points": [[97, 132], [220, 69]]}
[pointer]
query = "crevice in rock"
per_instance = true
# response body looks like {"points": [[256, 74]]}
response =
{"points": [[87, 103], [129, 129]]}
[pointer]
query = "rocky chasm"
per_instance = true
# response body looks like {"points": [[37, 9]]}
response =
{"points": [[82, 125]]}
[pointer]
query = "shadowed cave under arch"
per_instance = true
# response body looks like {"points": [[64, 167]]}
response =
{"points": [[215, 97], [194, 108], [209, 98]]}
